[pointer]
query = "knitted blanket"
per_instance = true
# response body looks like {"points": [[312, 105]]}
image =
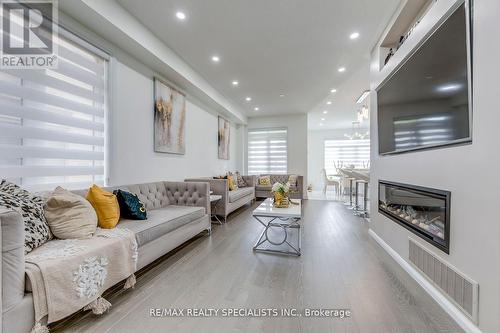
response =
{"points": [[69, 275]]}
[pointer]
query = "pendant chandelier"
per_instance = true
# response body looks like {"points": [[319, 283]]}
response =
{"points": [[357, 133], [363, 114]]}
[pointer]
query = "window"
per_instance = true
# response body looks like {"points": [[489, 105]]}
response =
{"points": [[346, 153], [267, 151], [52, 122]]}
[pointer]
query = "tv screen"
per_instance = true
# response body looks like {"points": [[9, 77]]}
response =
{"points": [[426, 102]]}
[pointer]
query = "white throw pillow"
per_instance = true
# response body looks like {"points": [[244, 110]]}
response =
{"points": [[69, 215]]}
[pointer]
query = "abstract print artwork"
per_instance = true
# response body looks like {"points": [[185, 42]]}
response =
{"points": [[223, 138], [169, 120]]}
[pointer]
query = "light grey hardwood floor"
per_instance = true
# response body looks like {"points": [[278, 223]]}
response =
{"points": [[340, 267]]}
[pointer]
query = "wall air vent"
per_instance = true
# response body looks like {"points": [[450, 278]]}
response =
{"points": [[461, 290]]}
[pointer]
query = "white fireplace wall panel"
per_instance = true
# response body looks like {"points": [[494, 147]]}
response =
{"points": [[468, 171]]}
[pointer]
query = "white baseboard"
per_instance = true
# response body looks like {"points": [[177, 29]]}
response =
{"points": [[465, 323]]}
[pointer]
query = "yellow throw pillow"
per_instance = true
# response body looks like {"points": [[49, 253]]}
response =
{"points": [[265, 180], [230, 183], [106, 207]]}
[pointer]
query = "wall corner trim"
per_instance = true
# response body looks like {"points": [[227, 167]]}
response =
{"points": [[465, 323]]}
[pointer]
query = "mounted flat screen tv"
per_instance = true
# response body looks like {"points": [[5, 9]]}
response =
{"points": [[427, 102]]}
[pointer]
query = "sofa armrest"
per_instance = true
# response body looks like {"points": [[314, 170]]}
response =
{"points": [[300, 186], [12, 263], [250, 180], [217, 186], [299, 191], [189, 194]]}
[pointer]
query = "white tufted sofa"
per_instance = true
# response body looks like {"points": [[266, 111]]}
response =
{"points": [[177, 211], [264, 191], [231, 200]]}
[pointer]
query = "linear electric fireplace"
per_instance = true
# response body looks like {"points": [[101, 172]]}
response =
{"points": [[424, 211]]}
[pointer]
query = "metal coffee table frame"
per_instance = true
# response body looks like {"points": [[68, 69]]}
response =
{"points": [[284, 223], [213, 208]]}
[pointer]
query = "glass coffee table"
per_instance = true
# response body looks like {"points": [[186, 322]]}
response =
{"points": [[282, 221]]}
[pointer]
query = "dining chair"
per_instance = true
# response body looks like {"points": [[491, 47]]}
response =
{"points": [[329, 182]]}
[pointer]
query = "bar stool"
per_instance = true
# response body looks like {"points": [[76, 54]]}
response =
{"points": [[351, 181], [363, 212]]}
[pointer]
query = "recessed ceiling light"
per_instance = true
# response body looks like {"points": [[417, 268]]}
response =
{"points": [[215, 58], [256, 108], [248, 99], [333, 91], [325, 112], [282, 95], [320, 124], [329, 102], [180, 15], [322, 119], [235, 83], [354, 35], [341, 69]]}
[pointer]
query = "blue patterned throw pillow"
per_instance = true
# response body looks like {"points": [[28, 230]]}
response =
{"points": [[130, 205]]}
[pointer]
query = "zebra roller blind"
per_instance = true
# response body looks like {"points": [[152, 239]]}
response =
{"points": [[267, 151], [346, 153], [52, 122]]}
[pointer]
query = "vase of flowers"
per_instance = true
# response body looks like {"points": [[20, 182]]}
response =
{"points": [[280, 192]]}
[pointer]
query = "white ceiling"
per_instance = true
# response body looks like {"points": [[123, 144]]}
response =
{"points": [[290, 47], [342, 111]]}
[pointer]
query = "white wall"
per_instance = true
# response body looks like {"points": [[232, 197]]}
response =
{"points": [[469, 172], [297, 139], [133, 159], [316, 153]]}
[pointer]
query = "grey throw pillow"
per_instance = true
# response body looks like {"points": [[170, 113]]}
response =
{"points": [[240, 181], [69, 215], [30, 206]]}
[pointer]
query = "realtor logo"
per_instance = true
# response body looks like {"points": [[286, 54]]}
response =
{"points": [[29, 33]]}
